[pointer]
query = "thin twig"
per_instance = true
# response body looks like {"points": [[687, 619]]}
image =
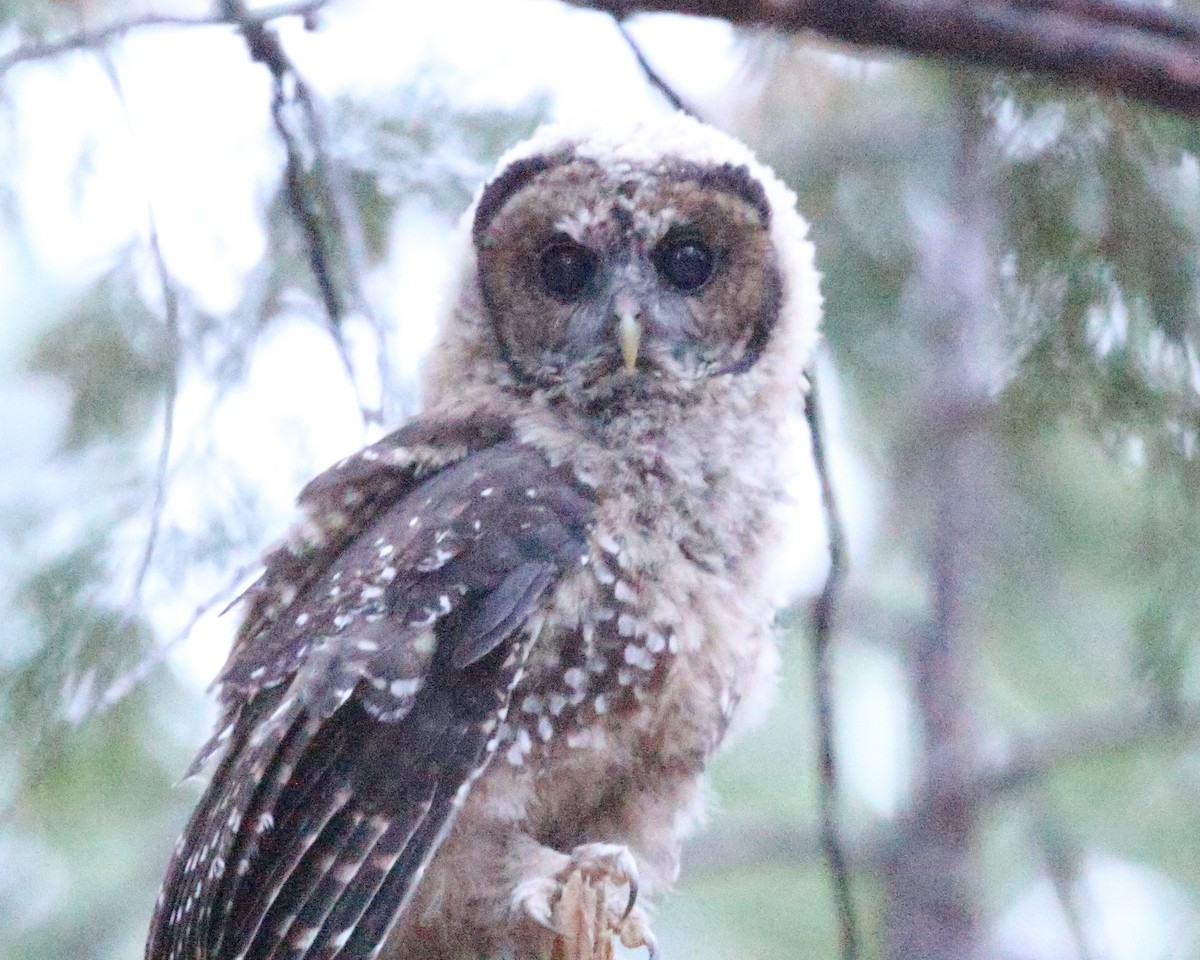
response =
{"points": [[171, 324], [823, 610], [304, 208], [1119, 731], [80, 705], [1063, 858], [653, 76], [99, 36], [171, 309], [123, 685]]}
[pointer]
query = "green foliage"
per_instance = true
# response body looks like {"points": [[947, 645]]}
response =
{"points": [[114, 356]]}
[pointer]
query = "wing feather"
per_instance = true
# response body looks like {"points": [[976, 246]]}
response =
{"points": [[202, 863], [502, 611], [363, 694]]}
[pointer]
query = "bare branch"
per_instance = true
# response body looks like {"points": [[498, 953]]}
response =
{"points": [[171, 309], [99, 36], [1129, 728], [81, 704], [653, 77], [1145, 52]]}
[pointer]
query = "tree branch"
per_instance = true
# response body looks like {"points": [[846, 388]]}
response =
{"points": [[99, 36], [653, 77], [1123, 730], [1147, 53], [314, 195]]}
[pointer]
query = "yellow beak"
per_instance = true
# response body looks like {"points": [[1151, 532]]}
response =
{"points": [[629, 331]]}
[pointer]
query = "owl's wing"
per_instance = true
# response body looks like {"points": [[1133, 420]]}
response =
{"points": [[364, 691]]}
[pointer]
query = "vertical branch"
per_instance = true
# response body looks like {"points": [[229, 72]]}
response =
{"points": [[930, 910], [823, 610]]}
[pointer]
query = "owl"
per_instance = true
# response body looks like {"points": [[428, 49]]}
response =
{"points": [[469, 707]]}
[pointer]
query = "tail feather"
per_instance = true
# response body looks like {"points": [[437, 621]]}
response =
{"points": [[204, 856], [281, 931], [370, 873], [260, 912]]}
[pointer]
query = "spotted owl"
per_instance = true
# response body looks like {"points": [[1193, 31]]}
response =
{"points": [[482, 679]]}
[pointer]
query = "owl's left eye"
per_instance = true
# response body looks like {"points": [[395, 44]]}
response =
{"points": [[567, 268], [684, 260]]}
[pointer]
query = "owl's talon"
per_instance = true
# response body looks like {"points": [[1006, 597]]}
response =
{"points": [[578, 903], [633, 895], [634, 932], [602, 866], [608, 861]]}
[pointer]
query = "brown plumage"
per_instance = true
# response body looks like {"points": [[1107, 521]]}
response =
{"points": [[495, 658]]}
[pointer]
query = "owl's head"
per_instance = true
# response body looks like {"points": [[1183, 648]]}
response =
{"points": [[610, 267]]}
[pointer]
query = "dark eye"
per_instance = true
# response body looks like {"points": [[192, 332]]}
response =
{"points": [[685, 261], [567, 268]]}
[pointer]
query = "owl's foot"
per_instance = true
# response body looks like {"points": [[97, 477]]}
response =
{"points": [[585, 904]]}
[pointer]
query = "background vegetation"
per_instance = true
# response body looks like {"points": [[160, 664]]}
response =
{"points": [[1011, 383]]}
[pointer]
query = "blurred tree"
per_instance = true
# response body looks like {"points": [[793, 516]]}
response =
{"points": [[1011, 283]]}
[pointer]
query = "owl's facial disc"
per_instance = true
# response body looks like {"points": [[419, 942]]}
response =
{"points": [[627, 282]]}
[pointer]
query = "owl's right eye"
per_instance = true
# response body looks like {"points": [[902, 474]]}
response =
{"points": [[567, 268]]}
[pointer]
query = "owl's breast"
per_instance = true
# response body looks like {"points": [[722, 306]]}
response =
{"points": [[646, 650]]}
